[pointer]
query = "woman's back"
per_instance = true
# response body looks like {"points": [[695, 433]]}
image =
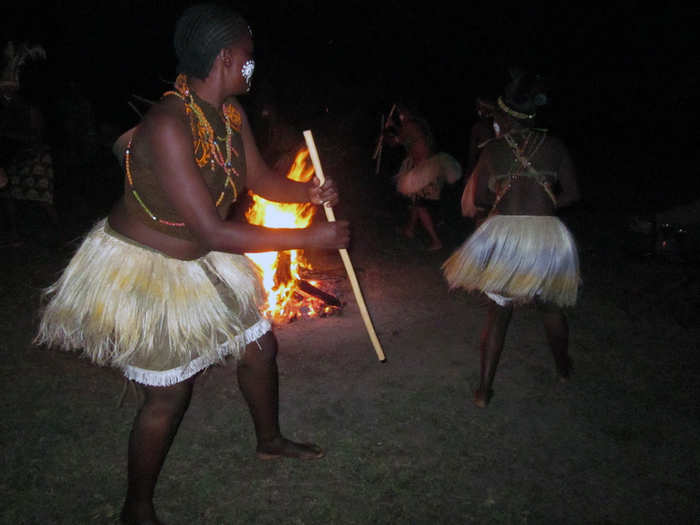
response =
{"points": [[525, 172]]}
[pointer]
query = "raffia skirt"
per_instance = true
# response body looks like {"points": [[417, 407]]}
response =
{"points": [[518, 258], [159, 319], [427, 178]]}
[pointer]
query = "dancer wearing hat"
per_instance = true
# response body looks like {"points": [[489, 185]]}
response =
{"points": [[160, 289], [522, 252]]}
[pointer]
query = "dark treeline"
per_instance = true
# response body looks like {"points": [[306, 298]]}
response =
{"points": [[620, 76]]}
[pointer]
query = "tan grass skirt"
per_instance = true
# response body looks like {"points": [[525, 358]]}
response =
{"points": [[518, 257], [159, 319]]}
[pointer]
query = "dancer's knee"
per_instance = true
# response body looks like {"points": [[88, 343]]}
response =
{"points": [[261, 351], [170, 401], [500, 312]]}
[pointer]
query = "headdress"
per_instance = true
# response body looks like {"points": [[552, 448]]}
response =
{"points": [[523, 95]]}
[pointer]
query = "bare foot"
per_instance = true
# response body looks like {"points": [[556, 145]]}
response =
{"points": [[284, 448], [482, 399], [564, 372], [437, 245], [134, 517]]}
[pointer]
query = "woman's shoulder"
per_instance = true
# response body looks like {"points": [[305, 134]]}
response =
{"points": [[165, 116], [168, 107]]}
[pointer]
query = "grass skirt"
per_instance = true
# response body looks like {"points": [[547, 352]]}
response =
{"points": [[427, 178], [518, 257], [159, 319]]}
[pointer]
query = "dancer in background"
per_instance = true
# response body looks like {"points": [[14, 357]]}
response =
{"points": [[160, 289], [522, 252], [423, 172]]}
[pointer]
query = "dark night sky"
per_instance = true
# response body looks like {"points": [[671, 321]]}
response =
{"points": [[620, 74]]}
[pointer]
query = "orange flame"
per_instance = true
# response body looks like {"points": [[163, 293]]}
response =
{"points": [[280, 270]]}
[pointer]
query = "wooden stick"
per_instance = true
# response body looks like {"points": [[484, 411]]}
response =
{"points": [[379, 161], [344, 253], [141, 99], [380, 142], [391, 112], [131, 104], [378, 152]]}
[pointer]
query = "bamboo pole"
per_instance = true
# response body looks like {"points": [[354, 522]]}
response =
{"points": [[344, 253]]}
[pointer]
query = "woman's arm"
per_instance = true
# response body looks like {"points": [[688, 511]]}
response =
{"points": [[180, 179], [483, 197], [268, 184]]}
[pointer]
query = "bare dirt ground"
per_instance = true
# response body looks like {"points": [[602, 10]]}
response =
{"points": [[615, 445]]}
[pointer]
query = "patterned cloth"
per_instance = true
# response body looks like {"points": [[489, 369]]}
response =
{"points": [[31, 174]]}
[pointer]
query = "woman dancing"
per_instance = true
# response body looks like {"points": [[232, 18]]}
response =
{"points": [[160, 288], [522, 252]]}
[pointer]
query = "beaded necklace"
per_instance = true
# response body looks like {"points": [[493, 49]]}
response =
{"points": [[206, 149]]}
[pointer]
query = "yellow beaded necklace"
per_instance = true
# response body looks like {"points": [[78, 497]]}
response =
{"points": [[206, 149]]}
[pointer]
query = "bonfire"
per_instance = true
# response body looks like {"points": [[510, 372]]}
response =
{"points": [[289, 295]]}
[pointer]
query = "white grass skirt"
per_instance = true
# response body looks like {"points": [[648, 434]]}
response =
{"points": [[159, 319], [519, 257], [435, 170]]}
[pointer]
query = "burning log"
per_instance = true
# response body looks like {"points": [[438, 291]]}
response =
{"points": [[310, 289]]}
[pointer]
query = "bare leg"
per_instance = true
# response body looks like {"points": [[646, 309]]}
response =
{"points": [[258, 381], [427, 221], [409, 229], [557, 330], [492, 339], [153, 432]]}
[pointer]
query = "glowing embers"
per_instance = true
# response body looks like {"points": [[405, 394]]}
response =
{"points": [[289, 295]]}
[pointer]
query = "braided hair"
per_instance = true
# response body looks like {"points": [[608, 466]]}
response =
{"points": [[201, 32]]}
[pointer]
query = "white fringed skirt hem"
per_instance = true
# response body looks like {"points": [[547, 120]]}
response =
{"points": [[181, 373]]}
